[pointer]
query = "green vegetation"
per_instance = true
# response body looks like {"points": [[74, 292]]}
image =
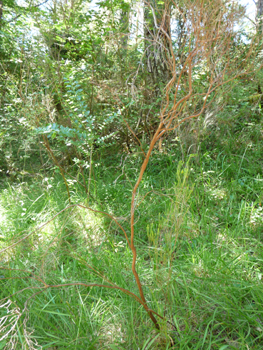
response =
{"points": [[131, 203], [199, 247]]}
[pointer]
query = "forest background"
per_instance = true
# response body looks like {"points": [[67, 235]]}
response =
{"points": [[131, 175]]}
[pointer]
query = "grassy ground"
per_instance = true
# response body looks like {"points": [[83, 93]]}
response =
{"points": [[199, 238]]}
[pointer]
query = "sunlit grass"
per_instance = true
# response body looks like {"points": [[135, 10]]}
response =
{"points": [[199, 257]]}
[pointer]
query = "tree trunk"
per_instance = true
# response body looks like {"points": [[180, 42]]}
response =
{"points": [[157, 31], [157, 40], [1, 11], [259, 16], [124, 24]]}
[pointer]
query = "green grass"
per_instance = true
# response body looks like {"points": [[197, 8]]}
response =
{"points": [[199, 247]]}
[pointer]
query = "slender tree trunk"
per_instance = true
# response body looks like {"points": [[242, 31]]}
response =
{"points": [[123, 41], [157, 35], [157, 31], [259, 15], [1, 11], [124, 24]]}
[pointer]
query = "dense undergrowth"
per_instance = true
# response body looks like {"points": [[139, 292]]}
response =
{"points": [[199, 238]]}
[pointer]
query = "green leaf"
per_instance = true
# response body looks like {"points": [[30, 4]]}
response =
{"points": [[2, 344]]}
